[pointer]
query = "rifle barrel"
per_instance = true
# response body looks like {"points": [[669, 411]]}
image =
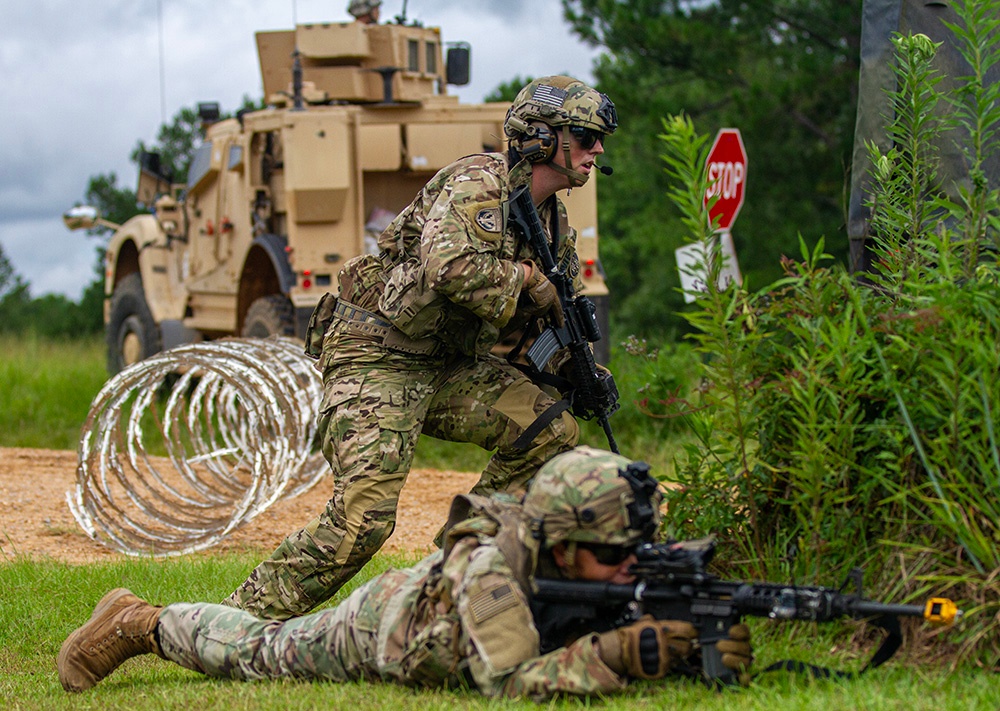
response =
{"points": [[937, 610]]}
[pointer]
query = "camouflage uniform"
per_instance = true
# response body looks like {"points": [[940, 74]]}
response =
{"points": [[409, 352], [463, 616], [458, 618]]}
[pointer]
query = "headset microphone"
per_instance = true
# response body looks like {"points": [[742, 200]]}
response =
{"points": [[605, 169]]}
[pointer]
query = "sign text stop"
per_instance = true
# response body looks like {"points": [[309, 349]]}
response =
{"points": [[727, 174]]}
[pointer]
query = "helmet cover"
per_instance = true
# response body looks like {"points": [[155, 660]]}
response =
{"points": [[588, 495], [358, 8], [561, 101]]}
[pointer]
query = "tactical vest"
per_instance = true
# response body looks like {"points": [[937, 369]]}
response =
{"points": [[427, 625], [395, 285]]}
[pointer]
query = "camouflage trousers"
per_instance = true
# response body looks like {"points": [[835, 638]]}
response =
{"points": [[372, 414], [338, 644]]}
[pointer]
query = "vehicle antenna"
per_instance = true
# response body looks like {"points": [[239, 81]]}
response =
{"points": [[297, 104], [163, 79]]}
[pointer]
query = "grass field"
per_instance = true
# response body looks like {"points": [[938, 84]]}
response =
{"points": [[43, 602], [47, 388], [45, 395]]}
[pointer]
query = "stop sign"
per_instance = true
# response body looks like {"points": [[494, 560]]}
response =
{"points": [[727, 175]]}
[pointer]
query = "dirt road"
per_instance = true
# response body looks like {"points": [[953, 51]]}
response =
{"points": [[35, 520]]}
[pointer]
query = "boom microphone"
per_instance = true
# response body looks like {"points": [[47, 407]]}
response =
{"points": [[605, 169]]}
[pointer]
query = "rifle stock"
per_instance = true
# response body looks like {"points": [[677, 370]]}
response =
{"points": [[672, 584]]}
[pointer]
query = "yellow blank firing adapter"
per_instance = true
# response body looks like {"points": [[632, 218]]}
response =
{"points": [[942, 611]]}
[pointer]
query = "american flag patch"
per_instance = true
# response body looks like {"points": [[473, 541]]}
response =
{"points": [[488, 603], [551, 95]]}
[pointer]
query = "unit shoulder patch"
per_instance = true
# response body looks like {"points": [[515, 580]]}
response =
{"points": [[487, 219], [490, 219]]}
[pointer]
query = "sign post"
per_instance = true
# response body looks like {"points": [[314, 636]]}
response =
{"points": [[727, 174]]}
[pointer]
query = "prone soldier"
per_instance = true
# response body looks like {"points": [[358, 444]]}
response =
{"points": [[462, 616]]}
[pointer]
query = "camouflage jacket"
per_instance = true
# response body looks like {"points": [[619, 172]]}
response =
{"points": [[462, 617], [449, 263]]}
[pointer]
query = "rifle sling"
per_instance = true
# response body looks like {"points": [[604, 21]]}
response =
{"points": [[890, 644], [541, 422], [892, 641]]}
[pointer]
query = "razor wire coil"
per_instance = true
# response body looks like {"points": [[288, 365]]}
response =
{"points": [[180, 449]]}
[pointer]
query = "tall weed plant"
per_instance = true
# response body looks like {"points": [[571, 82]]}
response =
{"points": [[846, 422]]}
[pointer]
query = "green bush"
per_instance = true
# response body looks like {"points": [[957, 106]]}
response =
{"points": [[848, 423]]}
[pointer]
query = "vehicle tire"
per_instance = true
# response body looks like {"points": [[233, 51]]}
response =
{"points": [[271, 315], [132, 334]]}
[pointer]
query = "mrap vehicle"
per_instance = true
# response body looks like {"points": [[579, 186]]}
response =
{"points": [[358, 119]]}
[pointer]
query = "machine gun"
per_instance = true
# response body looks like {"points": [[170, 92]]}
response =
{"points": [[673, 584], [593, 393]]}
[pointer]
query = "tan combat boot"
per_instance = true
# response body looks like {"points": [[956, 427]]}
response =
{"points": [[121, 627]]}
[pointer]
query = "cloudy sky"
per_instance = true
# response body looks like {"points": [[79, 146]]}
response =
{"points": [[82, 83]]}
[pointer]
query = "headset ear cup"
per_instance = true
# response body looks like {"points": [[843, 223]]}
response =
{"points": [[541, 147]]}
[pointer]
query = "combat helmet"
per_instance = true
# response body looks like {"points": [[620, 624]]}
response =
{"points": [[359, 8], [591, 496], [552, 105]]}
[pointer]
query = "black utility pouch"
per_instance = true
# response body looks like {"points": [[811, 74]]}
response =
{"points": [[319, 322]]}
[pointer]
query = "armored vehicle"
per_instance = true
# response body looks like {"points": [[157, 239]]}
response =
{"points": [[358, 118]]}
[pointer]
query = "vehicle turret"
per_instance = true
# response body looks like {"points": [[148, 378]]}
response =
{"points": [[357, 63]]}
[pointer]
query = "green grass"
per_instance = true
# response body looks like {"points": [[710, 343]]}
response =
{"points": [[46, 394], [42, 602], [47, 388]]}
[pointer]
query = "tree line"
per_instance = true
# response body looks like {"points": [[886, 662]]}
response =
{"points": [[52, 315]]}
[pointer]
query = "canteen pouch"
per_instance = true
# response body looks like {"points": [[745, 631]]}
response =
{"points": [[319, 322]]}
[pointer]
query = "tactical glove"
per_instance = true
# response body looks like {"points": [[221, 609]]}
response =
{"points": [[647, 649], [736, 652], [540, 295]]}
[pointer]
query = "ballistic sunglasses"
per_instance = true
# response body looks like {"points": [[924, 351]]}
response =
{"points": [[607, 554], [587, 137]]}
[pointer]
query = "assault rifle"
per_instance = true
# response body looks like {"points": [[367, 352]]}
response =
{"points": [[673, 585], [592, 393]]}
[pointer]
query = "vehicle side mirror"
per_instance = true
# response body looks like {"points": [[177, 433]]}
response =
{"points": [[81, 217], [208, 112], [458, 64], [86, 217]]}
